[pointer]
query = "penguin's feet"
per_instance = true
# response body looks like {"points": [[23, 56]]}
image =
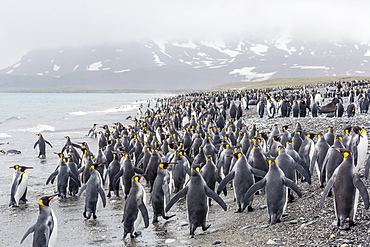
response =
{"points": [[168, 217], [94, 216], [239, 210], [250, 209], [345, 227], [205, 228]]}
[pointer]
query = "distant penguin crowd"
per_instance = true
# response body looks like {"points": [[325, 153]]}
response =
{"points": [[200, 145]]}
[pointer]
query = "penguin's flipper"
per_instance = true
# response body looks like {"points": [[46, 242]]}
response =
{"points": [[313, 161], [52, 177], [138, 170], [74, 178], [210, 193], [118, 175], [323, 170], [182, 193], [102, 196], [253, 189], [328, 186], [34, 146], [83, 188], [144, 213], [303, 172], [29, 231], [224, 181], [187, 169], [258, 172], [76, 145], [166, 191], [289, 183], [357, 182], [49, 143]]}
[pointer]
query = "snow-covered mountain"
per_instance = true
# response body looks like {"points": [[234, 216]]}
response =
{"points": [[188, 64]]}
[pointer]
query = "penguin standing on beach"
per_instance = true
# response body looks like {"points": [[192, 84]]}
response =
{"points": [[45, 230], [275, 184], [346, 184], [161, 192], [93, 189], [136, 201], [242, 176], [63, 174], [42, 146], [19, 185], [196, 193]]}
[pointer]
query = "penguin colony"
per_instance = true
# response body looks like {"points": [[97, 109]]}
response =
{"points": [[187, 144]]}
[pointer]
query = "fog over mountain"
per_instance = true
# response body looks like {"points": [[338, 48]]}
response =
{"points": [[184, 64]]}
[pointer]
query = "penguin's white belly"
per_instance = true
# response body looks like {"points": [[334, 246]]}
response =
{"points": [[54, 233]]}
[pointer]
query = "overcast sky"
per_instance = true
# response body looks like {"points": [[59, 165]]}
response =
{"points": [[28, 24]]}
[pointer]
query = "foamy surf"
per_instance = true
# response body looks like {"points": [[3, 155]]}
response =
{"points": [[4, 136], [79, 113], [38, 128]]}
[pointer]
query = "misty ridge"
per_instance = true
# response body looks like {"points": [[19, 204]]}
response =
{"points": [[183, 64]]}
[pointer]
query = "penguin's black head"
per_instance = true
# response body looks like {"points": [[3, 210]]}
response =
{"points": [[165, 165], [344, 151], [137, 178], [21, 168], [95, 166], [195, 169], [44, 201]]}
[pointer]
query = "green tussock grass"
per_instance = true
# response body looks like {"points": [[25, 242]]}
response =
{"points": [[287, 82]]}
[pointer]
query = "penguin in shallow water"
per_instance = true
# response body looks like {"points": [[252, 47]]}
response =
{"points": [[196, 193], [45, 230], [19, 185], [42, 146], [275, 184], [136, 201], [93, 189], [346, 184], [10, 152]]}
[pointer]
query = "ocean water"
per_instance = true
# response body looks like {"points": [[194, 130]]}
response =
{"points": [[56, 115]]}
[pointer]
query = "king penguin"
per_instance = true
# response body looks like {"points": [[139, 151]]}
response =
{"points": [[45, 230], [275, 184], [346, 184], [19, 185], [161, 192], [42, 146], [93, 189], [196, 193], [135, 202]]}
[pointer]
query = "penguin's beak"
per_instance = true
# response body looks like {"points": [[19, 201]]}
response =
{"points": [[51, 197]]}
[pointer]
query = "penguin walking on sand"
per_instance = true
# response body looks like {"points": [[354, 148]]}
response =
{"points": [[19, 185], [242, 176], [93, 189], [42, 146], [161, 192], [196, 193], [135, 202], [45, 230], [346, 184], [275, 184]]}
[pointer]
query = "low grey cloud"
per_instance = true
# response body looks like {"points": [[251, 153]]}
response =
{"points": [[41, 23]]}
